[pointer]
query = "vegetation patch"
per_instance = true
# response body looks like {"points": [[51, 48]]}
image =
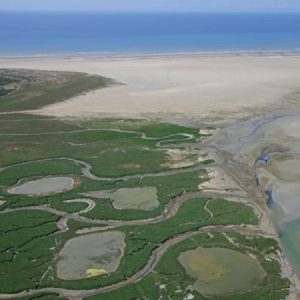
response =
{"points": [[11, 175], [30, 89], [169, 280], [143, 210], [109, 153]]}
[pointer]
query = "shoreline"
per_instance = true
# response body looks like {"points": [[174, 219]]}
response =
{"points": [[213, 87], [149, 55], [187, 71]]}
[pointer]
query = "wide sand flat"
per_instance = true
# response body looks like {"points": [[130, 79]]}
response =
{"points": [[193, 86]]}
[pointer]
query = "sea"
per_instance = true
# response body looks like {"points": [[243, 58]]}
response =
{"points": [[38, 33]]}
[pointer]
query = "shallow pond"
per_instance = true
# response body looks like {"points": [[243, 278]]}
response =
{"points": [[131, 198], [47, 185], [135, 198], [220, 271], [91, 255], [285, 167]]}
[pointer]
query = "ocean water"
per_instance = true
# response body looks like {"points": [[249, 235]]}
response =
{"points": [[53, 33]]}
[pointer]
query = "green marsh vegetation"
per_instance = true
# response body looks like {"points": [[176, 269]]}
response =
{"points": [[32, 89], [35, 253], [169, 280], [109, 155], [12, 175]]}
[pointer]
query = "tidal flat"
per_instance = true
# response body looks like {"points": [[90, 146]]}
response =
{"points": [[231, 86], [165, 198], [271, 146]]}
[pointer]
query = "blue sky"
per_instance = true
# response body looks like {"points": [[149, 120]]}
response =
{"points": [[154, 5]]}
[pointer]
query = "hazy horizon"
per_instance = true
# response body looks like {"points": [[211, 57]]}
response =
{"points": [[150, 12], [230, 6]]}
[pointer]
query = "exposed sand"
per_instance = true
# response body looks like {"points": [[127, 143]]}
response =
{"points": [[275, 140], [225, 87], [286, 168], [221, 182], [194, 87]]}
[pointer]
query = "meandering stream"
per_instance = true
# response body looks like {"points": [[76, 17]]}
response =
{"points": [[241, 150]]}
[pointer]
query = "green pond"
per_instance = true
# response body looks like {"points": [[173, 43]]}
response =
{"points": [[144, 198], [91, 255], [220, 271], [135, 198]]}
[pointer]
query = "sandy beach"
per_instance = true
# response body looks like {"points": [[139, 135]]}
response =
{"points": [[220, 87]]}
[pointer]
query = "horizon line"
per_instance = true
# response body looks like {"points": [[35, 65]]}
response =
{"points": [[148, 12]]}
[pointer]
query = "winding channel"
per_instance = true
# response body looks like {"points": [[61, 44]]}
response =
{"points": [[86, 168], [170, 211], [236, 171], [152, 262]]}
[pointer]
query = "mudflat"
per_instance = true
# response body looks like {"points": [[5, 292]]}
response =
{"points": [[211, 87]]}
